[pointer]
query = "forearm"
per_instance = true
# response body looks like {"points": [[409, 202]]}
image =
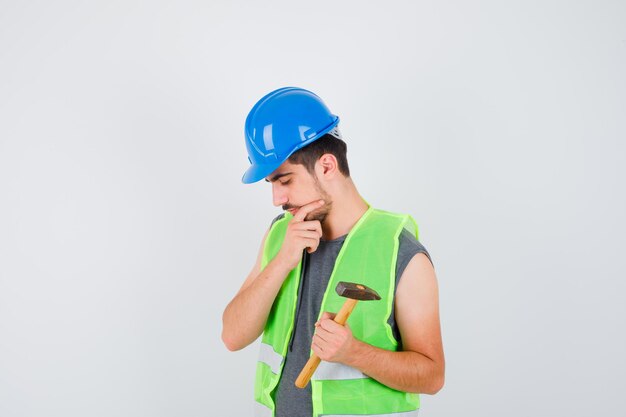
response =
{"points": [[245, 316], [402, 370]]}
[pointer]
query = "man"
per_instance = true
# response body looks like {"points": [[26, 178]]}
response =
{"points": [[390, 350]]}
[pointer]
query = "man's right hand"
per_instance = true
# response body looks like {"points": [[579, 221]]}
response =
{"points": [[301, 235]]}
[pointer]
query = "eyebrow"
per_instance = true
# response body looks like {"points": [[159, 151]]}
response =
{"points": [[277, 176]]}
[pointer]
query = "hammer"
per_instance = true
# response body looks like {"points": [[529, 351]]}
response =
{"points": [[354, 293]]}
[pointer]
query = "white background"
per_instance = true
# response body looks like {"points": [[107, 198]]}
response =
{"points": [[125, 229]]}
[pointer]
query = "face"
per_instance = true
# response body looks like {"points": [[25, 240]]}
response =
{"points": [[293, 187]]}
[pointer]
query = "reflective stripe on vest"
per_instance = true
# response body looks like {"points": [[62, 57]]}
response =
{"points": [[270, 358], [336, 371], [405, 414], [368, 256]]}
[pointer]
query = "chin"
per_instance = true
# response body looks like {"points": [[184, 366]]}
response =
{"points": [[316, 216]]}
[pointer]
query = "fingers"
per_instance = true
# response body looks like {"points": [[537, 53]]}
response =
{"points": [[328, 344], [301, 235], [308, 234], [317, 349], [328, 325], [313, 225], [325, 315], [329, 315], [306, 209], [322, 335], [312, 244]]}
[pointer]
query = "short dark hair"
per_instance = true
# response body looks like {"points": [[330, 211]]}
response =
{"points": [[309, 155]]}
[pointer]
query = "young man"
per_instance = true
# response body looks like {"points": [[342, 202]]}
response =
{"points": [[390, 350]]}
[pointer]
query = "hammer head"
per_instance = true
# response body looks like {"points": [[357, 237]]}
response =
{"points": [[356, 291]]}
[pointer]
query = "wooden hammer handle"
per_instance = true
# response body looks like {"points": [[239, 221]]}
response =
{"points": [[314, 360]]}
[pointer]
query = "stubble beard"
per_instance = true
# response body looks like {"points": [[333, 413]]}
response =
{"points": [[321, 213]]}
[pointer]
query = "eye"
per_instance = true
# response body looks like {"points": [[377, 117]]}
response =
{"points": [[285, 182]]}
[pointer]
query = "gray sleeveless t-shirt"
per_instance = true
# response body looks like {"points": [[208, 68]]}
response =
{"points": [[317, 268]]}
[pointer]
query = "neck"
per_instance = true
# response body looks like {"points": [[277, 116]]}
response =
{"points": [[347, 208]]}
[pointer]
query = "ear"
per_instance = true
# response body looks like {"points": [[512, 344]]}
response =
{"points": [[327, 166]]}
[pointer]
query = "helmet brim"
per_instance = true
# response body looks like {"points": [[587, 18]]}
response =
{"points": [[257, 172]]}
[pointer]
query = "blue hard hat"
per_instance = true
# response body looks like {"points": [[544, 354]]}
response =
{"points": [[279, 124]]}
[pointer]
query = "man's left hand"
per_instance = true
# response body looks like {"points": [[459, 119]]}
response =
{"points": [[332, 342]]}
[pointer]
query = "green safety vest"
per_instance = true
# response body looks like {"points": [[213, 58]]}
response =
{"points": [[367, 256]]}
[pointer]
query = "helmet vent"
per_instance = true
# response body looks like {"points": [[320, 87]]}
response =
{"points": [[335, 132]]}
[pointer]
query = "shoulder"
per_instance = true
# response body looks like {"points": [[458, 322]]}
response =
{"points": [[408, 247], [277, 218], [414, 270]]}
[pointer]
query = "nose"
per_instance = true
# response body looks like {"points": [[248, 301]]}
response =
{"points": [[279, 195]]}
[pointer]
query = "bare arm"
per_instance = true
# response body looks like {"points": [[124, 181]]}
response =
{"points": [[245, 316], [420, 367]]}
